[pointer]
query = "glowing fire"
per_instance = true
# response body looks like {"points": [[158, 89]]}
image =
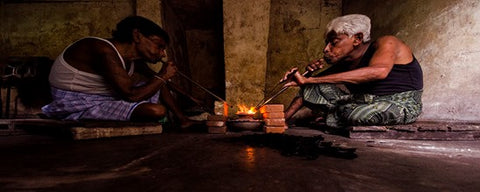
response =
{"points": [[243, 109]]}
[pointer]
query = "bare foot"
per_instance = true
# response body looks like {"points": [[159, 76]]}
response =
{"points": [[320, 119], [187, 123]]}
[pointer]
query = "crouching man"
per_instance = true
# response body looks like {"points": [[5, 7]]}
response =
{"points": [[384, 81], [93, 78]]}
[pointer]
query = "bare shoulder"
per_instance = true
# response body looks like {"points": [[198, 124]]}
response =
{"points": [[88, 47], [389, 39], [88, 53], [96, 45], [403, 53]]}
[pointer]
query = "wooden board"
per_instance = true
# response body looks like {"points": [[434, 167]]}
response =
{"points": [[82, 133], [79, 130], [421, 130]]}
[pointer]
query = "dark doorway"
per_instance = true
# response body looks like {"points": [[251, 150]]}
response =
{"points": [[196, 30]]}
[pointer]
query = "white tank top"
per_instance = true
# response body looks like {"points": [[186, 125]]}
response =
{"points": [[64, 76]]}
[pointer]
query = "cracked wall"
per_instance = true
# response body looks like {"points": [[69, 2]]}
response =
{"points": [[443, 35], [296, 37], [245, 43]]}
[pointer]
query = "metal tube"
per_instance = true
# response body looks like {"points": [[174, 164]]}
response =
{"points": [[203, 88], [192, 81], [265, 101]]}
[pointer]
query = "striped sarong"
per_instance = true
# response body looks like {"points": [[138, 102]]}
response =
{"points": [[342, 109], [69, 105]]}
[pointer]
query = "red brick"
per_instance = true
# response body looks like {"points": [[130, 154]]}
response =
{"points": [[215, 123], [275, 122], [274, 115], [221, 108], [217, 118], [272, 108], [269, 129], [222, 129]]}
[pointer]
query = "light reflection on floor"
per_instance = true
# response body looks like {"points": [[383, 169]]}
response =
{"points": [[249, 158]]}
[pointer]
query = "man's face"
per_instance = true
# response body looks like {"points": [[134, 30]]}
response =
{"points": [[337, 47], [152, 48]]}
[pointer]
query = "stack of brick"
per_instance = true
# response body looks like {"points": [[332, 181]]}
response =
{"points": [[274, 118], [217, 123]]}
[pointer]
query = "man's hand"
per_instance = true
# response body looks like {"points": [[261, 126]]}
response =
{"points": [[297, 80], [288, 75], [168, 70], [293, 78], [316, 65]]}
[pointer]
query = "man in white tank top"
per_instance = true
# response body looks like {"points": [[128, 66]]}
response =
{"points": [[92, 78]]}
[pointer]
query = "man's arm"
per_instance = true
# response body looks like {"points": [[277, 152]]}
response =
{"points": [[112, 69], [379, 67], [142, 68]]}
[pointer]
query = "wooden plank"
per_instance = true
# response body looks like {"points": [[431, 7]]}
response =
{"points": [[432, 127], [368, 129], [81, 133], [450, 125], [440, 136], [81, 129], [17, 126], [406, 128], [38, 122], [98, 124], [464, 127]]}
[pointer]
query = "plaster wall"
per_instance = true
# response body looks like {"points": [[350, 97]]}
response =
{"points": [[296, 37], [45, 28], [245, 30], [197, 47], [206, 64], [443, 35]]}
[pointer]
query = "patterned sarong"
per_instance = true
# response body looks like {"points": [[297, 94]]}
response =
{"points": [[342, 109], [70, 105]]}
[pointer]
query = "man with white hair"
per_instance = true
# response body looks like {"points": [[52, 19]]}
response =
{"points": [[383, 78]]}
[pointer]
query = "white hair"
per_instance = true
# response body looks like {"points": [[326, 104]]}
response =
{"points": [[351, 25]]}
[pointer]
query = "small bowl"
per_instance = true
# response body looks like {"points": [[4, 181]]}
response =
{"points": [[245, 115], [244, 125]]}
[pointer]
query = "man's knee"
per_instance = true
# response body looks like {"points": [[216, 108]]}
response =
{"points": [[158, 111], [149, 110], [377, 118], [374, 119]]}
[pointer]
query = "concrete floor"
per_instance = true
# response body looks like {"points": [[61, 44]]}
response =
{"points": [[234, 162]]}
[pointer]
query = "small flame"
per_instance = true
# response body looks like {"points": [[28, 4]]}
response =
{"points": [[243, 109]]}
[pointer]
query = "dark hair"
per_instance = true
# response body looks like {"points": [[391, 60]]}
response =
{"points": [[125, 27]]}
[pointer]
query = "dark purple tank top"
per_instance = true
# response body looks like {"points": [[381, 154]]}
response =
{"points": [[402, 78]]}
